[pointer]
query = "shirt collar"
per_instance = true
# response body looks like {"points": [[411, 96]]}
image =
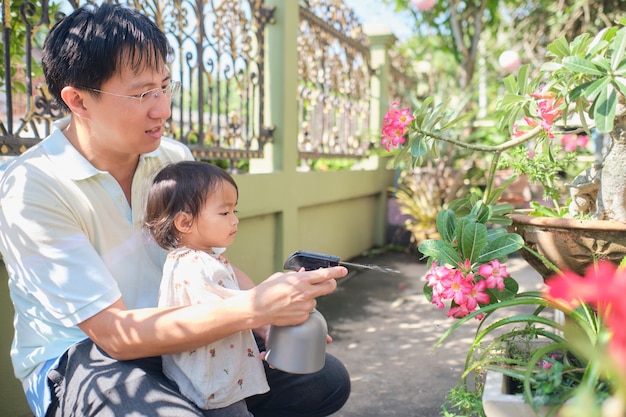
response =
{"points": [[68, 160]]}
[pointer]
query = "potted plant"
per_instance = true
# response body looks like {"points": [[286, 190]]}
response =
{"points": [[587, 79], [573, 367]]}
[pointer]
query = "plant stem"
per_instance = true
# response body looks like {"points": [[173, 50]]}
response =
{"points": [[495, 149], [491, 176], [534, 132]]}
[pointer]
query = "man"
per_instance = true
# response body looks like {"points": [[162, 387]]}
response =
{"points": [[84, 277]]}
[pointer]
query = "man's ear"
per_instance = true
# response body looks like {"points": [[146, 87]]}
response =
{"points": [[183, 222], [74, 99]]}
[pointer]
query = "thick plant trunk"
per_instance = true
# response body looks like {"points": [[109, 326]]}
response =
{"points": [[611, 202]]}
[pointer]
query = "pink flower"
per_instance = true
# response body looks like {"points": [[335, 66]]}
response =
{"points": [[465, 266], [393, 135], [572, 141], [458, 312], [569, 142], [530, 121], [434, 278], [395, 124], [494, 274], [456, 287], [603, 286], [477, 295], [437, 273], [423, 5], [547, 110]]}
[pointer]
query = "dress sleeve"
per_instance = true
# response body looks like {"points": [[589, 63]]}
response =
{"points": [[192, 279]]}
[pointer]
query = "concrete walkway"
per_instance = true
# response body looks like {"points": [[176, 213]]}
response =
{"points": [[384, 331]]}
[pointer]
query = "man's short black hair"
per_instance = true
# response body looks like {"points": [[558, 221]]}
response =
{"points": [[87, 48]]}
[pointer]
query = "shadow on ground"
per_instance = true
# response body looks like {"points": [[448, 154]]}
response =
{"points": [[384, 331]]}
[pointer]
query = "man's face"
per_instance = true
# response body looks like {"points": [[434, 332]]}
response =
{"points": [[122, 124]]}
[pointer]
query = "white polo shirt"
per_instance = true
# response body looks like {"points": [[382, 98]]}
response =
{"points": [[72, 245]]}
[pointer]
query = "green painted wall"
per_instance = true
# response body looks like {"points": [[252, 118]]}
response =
{"points": [[342, 213], [12, 400]]}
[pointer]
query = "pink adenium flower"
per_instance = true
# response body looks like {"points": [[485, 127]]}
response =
{"points": [[434, 278], [456, 287], [547, 109], [477, 295], [572, 141], [464, 289], [395, 124], [603, 287], [494, 274], [423, 5], [458, 311]]}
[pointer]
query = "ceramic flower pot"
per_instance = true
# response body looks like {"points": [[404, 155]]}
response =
{"points": [[570, 244], [498, 401], [499, 396]]}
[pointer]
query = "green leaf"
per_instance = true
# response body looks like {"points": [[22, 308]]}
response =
{"points": [[605, 108], [620, 71], [522, 78], [472, 238], [511, 288], [603, 64], [510, 84], [559, 47], [482, 212], [620, 86], [428, 292], [419, 148], [619, 45], [581, 65], [500, 247], [440, 250], [446, 225], [461, 206], [495, 233], [457, 121], [509, 292], [502, 209], [590, 89]]}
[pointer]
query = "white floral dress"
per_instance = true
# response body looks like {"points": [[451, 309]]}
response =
{"points": [[227, 370]]}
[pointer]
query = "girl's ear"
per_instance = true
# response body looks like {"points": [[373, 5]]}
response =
{"points": [[183, 222]]}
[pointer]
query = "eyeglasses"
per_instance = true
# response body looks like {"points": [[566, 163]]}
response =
{"points": [[149, 96]]}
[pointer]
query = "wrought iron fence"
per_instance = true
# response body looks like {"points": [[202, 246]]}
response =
{"points": [[219, 55], [219, 58], [334, 82]]}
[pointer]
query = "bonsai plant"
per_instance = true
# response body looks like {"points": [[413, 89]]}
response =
{"points": [[585, 78]]}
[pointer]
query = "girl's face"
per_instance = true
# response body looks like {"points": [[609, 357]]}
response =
{"points": [[216, 224]]}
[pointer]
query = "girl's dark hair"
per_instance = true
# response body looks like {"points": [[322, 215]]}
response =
{"points": [[182, 186], [87, 47]]}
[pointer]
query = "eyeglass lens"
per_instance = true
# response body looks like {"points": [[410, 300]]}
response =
{"points": [[169, 91]]}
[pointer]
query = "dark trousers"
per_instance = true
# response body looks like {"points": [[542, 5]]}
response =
{"points": [[88, 382]]}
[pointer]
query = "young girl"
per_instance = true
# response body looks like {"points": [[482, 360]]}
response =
{"points": [[191, 212]]}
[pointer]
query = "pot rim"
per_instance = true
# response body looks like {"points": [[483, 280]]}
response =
{"points": [[521, 218]]}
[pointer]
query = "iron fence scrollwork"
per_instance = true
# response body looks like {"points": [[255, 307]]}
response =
{"points": [[219, 58], [334, 82]]}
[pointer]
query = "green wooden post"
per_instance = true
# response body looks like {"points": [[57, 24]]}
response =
{"points": [[381, 39], [281, 104]]}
